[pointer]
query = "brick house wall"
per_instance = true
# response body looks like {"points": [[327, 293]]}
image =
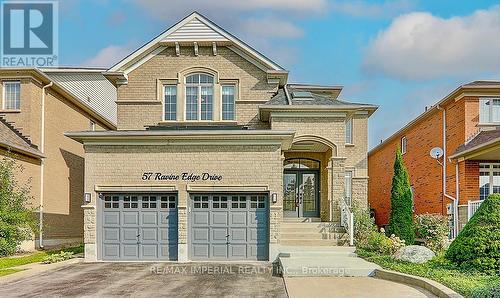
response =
{"points": [[462, 117]]}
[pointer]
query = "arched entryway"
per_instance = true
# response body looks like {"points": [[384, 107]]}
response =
{"points": [[306, 178]]}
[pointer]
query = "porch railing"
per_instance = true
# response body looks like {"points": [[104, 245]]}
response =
{"points": [[472, 207], [347, 219]]}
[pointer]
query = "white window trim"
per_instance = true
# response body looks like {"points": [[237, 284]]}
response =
{"points": [[352, 132], [198, 86], [3, 95], [234, 103], [490, 171], [404, 145], [163, 102], [490, 111], [351, 176]]}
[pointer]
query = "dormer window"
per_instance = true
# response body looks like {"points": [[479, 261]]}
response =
{"points": [[199, 97]]}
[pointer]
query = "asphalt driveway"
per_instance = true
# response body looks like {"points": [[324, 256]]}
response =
{"points": [[150, 279]]}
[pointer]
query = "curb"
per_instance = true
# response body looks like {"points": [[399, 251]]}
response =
{"points": [[432, 286], [32, 269]]}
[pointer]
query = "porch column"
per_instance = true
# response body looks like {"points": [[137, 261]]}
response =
{"points": [[336, 177]]}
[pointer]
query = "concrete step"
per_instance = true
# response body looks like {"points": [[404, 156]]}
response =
{"points": [[314, 242], [317, 251], [326, 266], [310, 229], [301, 219], [312, 236]]}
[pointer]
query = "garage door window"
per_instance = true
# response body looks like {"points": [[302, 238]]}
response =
{"points": [[111, 202], [167, 202]]}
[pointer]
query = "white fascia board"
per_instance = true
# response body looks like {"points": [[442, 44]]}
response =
{"points": [[213, 26]]}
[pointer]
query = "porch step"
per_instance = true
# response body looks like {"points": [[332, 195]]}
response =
{"points": [[317, 251], [312, 236], [314, 242], [302, 219]]}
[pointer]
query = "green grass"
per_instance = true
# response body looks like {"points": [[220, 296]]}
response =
{"points": [[438, 269], [9, 262], [4, 272]]}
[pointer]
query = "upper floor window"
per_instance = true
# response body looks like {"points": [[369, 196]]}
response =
{"points": [[489, 110], [170, 102], [199, 96], [228, 94], [12, 95], [348, 131], [404, 144]]}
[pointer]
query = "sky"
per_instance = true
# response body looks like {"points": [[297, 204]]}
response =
{"points": [[402, 55]]}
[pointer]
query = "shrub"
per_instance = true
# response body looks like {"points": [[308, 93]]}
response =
{"points": [[489, 291], [401, 219], [433, 229], [54, 258], [16, 218], [477, 246], [379, 242], [364, 225]]}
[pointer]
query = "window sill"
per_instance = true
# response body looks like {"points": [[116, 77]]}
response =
{"points": [[349, 145], [10, 111], [197, 122], [489, 124]]}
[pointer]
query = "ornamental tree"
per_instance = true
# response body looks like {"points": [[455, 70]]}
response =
{"points": [[477, 246], [16, 217], [401, 219]]}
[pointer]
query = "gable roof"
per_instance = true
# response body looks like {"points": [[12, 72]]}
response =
{"points": [[12, 139], [193, 28], [477, 88]]}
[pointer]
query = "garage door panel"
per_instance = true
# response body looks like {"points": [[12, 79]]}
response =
{"points": [[219, 218], [200, 251], [200, 218], [238, 235], [139, 227], [149, 251], [112, 218], [219, 235], [130, 218], [149, 234], [219, 251], [238, 218], [149, 218], [243, 218], [238, 251], [168, 235], [111, 234], [111, 251], [130, 251]]}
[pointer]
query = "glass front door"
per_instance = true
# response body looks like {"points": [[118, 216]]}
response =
{"points": [[301, 195]]}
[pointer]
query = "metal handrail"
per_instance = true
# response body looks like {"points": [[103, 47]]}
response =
{"points": [[347, 219], [472, 207]]}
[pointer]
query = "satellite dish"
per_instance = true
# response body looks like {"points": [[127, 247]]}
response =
{"points": [[436, 152]]}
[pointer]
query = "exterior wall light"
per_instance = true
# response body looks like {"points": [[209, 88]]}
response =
{"points": [[87, 198], [274, 197]]}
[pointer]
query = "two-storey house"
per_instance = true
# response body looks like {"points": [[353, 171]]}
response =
{"points": [[214, 151], [464, 126], [37, 106]]}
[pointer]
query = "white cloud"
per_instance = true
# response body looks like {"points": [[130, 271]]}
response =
{"points": [[109, 56], [385, 9], [423, 46]]}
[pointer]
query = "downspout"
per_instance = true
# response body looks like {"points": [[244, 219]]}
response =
{"points": [[42, 149], [444, 173], [287, 95]]}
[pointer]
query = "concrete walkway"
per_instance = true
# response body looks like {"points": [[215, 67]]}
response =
{"points": [[359, 287]]}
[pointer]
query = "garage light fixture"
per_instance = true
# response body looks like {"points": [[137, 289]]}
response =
{"points": [[87, 198], [274, 197]]}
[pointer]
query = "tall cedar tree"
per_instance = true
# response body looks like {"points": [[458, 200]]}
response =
{"points": [[401, 220]]}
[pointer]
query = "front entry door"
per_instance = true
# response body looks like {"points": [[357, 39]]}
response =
{"points": [[301, 193]]}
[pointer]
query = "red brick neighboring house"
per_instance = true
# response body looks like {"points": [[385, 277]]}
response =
{"points": [[469, 117]]}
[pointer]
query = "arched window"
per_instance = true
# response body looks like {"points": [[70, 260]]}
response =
{"points": [[301, 164], [199, 96]]}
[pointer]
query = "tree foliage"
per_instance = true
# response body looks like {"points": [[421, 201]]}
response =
{"points": [[401, 219], [478, 244], [16, 217]]}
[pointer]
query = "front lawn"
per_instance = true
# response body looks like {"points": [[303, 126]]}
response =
{"points": [[466, 283], [7, 263]]}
